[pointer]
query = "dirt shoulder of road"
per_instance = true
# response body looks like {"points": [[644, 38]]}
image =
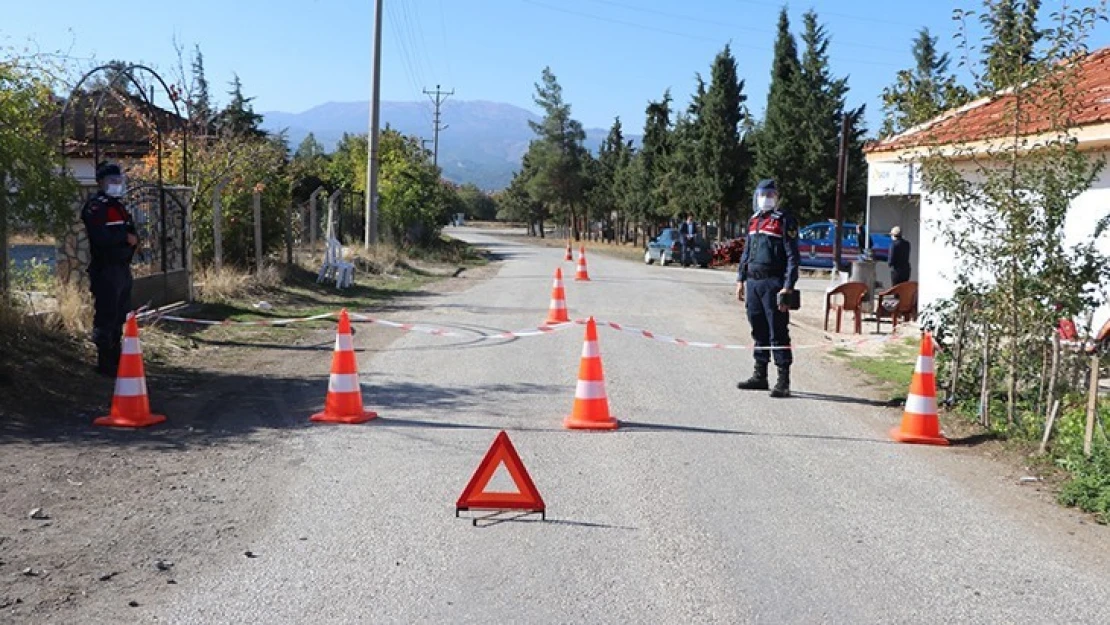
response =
{"points": [[98, 521]]}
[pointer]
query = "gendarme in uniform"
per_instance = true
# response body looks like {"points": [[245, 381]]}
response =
{"points": [[112, 243], [768, 266]]}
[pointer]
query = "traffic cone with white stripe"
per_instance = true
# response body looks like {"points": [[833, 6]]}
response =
{"points": [[920, 423], [591, 405], [344, 401], [582, 275], [558, 311], [570, 255], [130, 404]]}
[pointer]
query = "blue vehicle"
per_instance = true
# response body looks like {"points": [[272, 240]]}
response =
{"points": [[815, 242], [667, 248]]}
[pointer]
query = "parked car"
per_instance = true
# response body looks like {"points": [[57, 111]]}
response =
{"points": [[815, 242], [666, 248]]}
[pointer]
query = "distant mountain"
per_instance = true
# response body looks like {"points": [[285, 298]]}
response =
{"points": [[483, 143]]}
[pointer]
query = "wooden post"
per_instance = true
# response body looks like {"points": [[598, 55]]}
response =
{"points": [[312, 224], [1092, 407], [961, 335], [1048, 426], [189, 247], [289, 234], [985, 389], [258, 226], [1054, 371], [217, 227], [333, 207]]}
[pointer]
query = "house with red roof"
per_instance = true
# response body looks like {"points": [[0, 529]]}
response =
{"points": [[897, 197]]}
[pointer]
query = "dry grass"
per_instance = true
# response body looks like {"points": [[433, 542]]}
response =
{"points": [[75, 308], [382, 259], [219, 286]]}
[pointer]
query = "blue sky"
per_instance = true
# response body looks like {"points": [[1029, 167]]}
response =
{"points": [[611, 56]]}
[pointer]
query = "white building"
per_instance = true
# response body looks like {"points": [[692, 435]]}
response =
{"points": [[896, 196]]}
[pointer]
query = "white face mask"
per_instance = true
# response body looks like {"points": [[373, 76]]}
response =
{"points": [[116, 190], [766, 202]]}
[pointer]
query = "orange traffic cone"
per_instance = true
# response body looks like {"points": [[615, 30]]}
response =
{"points": [[570, 255], [558, 311], [344, 401], [920, 423], [130, 404], [591, 405], [582, 275]]}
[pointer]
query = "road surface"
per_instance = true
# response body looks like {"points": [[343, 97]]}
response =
{"points": [[709, 505]]}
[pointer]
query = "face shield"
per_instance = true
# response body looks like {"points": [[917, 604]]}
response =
{"points": [[764, 199], [113, 186]]}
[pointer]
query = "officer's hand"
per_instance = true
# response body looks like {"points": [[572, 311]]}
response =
{"points": [[740, 291], [132, 240], [784, 307]]}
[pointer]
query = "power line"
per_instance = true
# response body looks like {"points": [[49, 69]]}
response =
{"points": [[437, 98], [412, 24], [715, 22], [443, 29], [406, 61], [686, 35]]}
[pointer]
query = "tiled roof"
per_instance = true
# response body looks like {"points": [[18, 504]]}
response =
{"points": [[993, 117], [126, 125]]}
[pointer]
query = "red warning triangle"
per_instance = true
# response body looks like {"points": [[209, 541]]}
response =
{"points": [[475, 497]]}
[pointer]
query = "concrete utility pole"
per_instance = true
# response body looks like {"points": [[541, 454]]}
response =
{"points": [[375, 113], [438, 98]]}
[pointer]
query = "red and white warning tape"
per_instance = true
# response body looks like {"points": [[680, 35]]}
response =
{"points": [[648, 334], [524, 333]]}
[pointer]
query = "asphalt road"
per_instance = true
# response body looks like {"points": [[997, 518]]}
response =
{"points": [[708, 505]]}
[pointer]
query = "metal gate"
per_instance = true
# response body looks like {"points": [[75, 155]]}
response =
{"points": [[162, 266]]}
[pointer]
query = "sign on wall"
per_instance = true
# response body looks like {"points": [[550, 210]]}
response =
{"points": [[893, 178]]}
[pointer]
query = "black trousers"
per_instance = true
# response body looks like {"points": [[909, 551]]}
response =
{"points": [[898, 275], [111, 289], [770, 326]]}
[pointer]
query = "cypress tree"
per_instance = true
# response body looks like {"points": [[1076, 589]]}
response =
{"points": [[778, 153]]}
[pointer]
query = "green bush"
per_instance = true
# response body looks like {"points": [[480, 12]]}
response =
{"points": [[1089, 486]]}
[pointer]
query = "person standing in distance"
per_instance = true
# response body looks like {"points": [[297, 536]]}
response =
{"points": [[899, 257], [112, 244], [689, 232], [768, 267]]}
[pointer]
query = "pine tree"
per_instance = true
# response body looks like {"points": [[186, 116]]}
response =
{"points": [[822, 107], [238, 117], [920, 94], [559, 154], [654, 155], [1014, 36], [778, 147], [687, 191], [725, 161], [200, 103], [609, 157]]}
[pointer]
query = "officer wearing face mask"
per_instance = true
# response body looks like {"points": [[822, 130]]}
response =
{"points": [[768, 267], [112, 244]]}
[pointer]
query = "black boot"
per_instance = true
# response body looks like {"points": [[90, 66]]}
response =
{"points": [[104, 361], [758, 381], [782, 386]]}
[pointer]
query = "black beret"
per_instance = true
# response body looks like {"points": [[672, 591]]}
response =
{"points": [[107, 169]]}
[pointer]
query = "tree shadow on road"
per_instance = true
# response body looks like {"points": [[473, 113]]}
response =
{"points": [[632, 426], [209, 408]]}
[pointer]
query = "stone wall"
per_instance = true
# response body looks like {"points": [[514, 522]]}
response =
{"points": [[73, 248]]}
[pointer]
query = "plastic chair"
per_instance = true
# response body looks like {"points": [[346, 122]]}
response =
{"points": [[851, 299], [905, 295], [334, 267]]}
